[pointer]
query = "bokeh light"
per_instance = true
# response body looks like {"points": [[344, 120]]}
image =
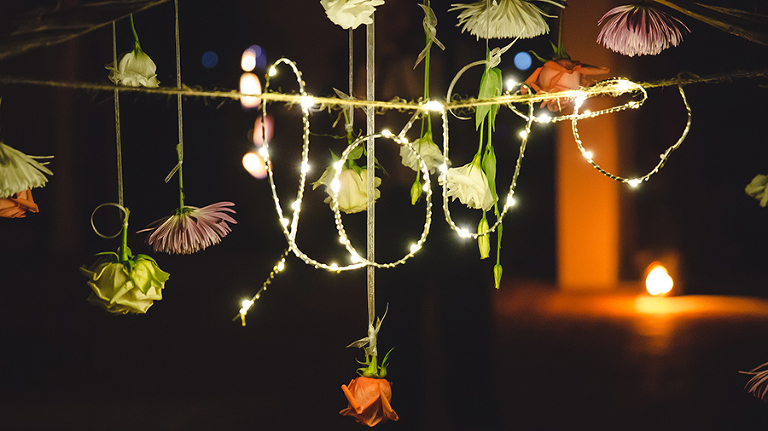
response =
{"points": [[523, 60], [253, 57], [210, 60], [262, 129], [254, 164], [250, 84]]}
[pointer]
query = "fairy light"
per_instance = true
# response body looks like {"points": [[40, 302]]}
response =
{"points": [[264, 152], [511, 83], [305, 168], [307, 102], [510, 201], [285, 222], [634, 182], [296, 205], [544, 118], [443, 168], [335, 185], [434, 105], [415, 247], [272, 71], [464, 233], [386, 133], [523, 134], [587, 154], [334, 267]]}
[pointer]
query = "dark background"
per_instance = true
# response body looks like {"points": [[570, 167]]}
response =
{"points": [[186, 365]]}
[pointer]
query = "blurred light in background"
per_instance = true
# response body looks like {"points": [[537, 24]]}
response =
{"points": [[210, 60], [254, 164], [261, 130], [250, 84], [523, 60]]}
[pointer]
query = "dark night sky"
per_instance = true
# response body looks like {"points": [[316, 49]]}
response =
{"points": [[185, 357]]}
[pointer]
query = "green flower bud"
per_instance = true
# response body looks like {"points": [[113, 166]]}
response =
{"points": [[483, 242], [416, 190], [497, 270]]}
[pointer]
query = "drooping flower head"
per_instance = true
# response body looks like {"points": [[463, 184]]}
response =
{"points": [[191, 229], [135, 68], [19, 172], [758, 189], [350, 13], [352, 188], [16, 206], [560, 75], [758, 384], [502, 19], [369, 400], [428, 150], [640, 29], [469, 184]]}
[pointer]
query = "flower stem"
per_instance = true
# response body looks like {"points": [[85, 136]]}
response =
{"points": [[135, 35], [123, 249], [181, 180]]}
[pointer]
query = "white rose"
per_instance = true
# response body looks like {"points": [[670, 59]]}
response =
{"points": [[353, 189], [119, 291], [470, 185], [350, 13], [135, 69], [757, 189], [429, 152]]}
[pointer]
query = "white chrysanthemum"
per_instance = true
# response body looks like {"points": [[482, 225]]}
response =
{"points": [[429, 152], [135, 69], [350, 13], [469, 184], [19, 172], [502, 19], [353, 189], [639, 29]]}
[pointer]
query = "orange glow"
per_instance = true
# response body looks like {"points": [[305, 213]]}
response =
{"points": [[657, 280], [254, 164]]}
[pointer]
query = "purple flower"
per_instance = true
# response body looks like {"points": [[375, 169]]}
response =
{"points": [[190, 229], [639, 29]]}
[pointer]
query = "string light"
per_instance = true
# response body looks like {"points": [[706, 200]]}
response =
{"points": [[434, 106]]}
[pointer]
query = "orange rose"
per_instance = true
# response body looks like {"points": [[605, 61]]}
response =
{"points": [[369, 400], [17, 205], [561, 75]]}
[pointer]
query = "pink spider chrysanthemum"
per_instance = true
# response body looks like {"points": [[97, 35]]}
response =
{"points": [[639, 29], [191, 229]]}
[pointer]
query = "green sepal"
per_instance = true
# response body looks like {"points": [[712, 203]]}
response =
{"points": [[490, 87], [371, 367], [356, 153]]}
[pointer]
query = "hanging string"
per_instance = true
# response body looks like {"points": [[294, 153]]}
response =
{"points": [[117, 124], [370, 211], [180, 146]]}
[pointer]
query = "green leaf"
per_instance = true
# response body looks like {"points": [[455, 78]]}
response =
{"points": [[356, 153], [490, 86]]}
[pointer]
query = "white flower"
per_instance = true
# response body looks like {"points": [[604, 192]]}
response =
{"points": [[502, 19], [129, 287], [350, 13], [136, 69], [470, 185], [757, 189], [353, 189], [19, 172], [429, 152]]}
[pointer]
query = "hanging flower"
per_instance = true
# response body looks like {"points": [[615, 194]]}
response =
{"points": [[758, 384], [128, 286], [135, 68], [353, 188], [561, 75], [20, 172], [501, 19], [369, 400], [191, 229], [757, 189], [350, 13], [469, 184], [640, 29], [17, 205], [428, 150]]}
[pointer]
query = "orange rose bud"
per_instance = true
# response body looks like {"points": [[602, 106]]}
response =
{"points": [[369, 400], [561, 75], [17, 205]]}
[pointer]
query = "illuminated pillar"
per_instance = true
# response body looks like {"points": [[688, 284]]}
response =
{"points": [[587, 202]]}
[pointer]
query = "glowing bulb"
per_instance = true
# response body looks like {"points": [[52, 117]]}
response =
{"points": [[415, 247], [544, 118], [623, 85], [264, 153], [386, 133], [354, 258], [247, 303], [587, 112], [587, 155], [334, 267], [250, 84], [281, 265], [338, 165], [524, 134], [335, 185], [296, 205], [343, 240], [272, 71], [633, 104], [425, 187], [464, 233], [579, 101], [305, 167], [443, 168], [254, 164], [307, 102], [511, 201], [248, 60], [285, 222], [634, 183], [658, 281], [511, 84], [433, 105]]}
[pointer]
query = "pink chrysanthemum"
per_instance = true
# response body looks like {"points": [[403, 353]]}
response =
{"points": [[639, 29], [758, 384], [191, 229]]}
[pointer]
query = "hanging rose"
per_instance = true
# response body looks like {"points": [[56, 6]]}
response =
{"points": [[757, 189], [469, 184], [20, 172], [369, 400], [125, 287], [17, 205], [561, 75], [353, 188], [350, 13], [428, 150], [135, 68]]}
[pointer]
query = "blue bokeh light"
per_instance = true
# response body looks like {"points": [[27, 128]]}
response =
{"points": [[523, 60], [210, 60]]}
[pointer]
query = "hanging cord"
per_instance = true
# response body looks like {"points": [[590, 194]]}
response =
{"points": [[117, 124], [371, 210], [180, 146]]}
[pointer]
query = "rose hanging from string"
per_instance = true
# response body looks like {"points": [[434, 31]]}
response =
{"points": [[135, 68]]}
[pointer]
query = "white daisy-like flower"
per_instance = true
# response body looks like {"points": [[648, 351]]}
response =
{"points": [[429, 152], [350, 13], [19, 172], [502, 19]]}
